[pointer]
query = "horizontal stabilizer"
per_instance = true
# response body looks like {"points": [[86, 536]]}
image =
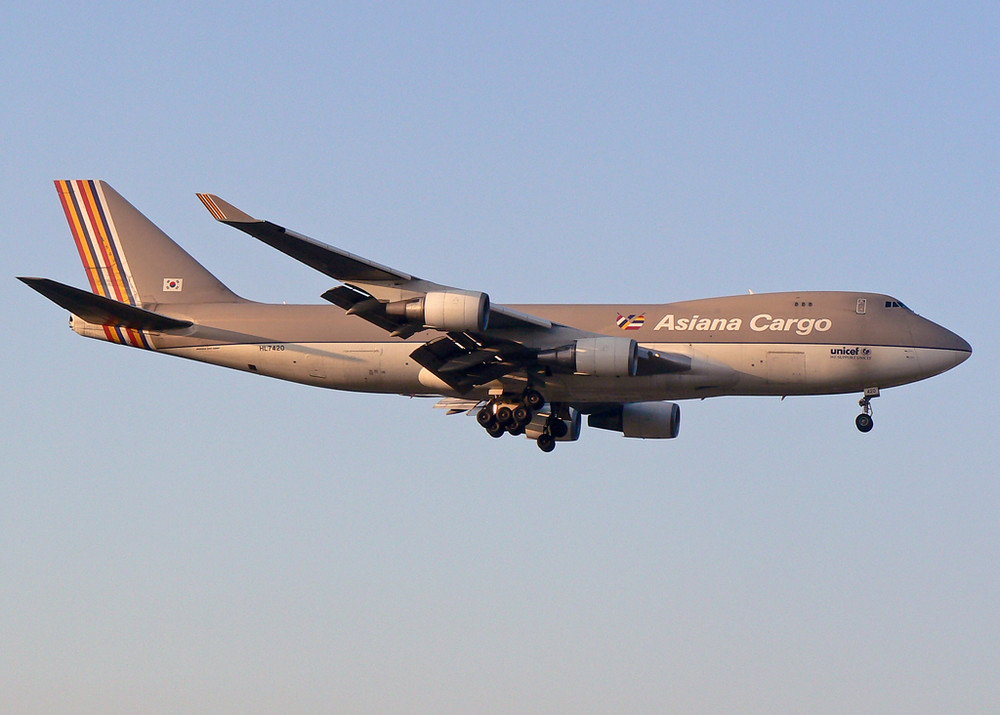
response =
{"points": [[100, 310]]}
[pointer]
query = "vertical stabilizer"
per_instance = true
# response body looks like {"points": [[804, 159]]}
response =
{"points": [[126, 257]]}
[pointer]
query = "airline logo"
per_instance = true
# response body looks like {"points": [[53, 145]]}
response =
{"points": [[759, 323], [101, 251], [631, 322], [173, 284]]}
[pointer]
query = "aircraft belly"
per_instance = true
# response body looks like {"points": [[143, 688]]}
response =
{"points": [[716, 369], [796, 369], [362, 367]]}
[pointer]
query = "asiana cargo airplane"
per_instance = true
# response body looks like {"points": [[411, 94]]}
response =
{"points": [[530, 370]]}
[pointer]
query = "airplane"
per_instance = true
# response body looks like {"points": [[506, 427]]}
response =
{"points": [[531, 370]]}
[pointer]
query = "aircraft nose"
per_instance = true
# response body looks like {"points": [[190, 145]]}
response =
{"points": [[956, 344], [945, 349], [963, 351]]}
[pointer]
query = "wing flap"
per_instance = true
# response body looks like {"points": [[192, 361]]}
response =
{"points": [[457, 405], [463, 361]]}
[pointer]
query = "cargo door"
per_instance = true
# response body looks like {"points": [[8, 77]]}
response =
{"points": [[786, 368]]}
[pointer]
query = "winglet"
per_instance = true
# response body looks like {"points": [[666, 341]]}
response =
{"points": [[225, 211]]}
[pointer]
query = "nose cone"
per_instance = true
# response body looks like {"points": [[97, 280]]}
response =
{"points": [[942, 347], [944, 339], [962, 349]]}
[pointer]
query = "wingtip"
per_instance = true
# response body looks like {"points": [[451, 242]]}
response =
{"points": [[224, 211]]}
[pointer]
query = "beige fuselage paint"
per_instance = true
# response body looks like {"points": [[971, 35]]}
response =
{"points": [[764, 344]]}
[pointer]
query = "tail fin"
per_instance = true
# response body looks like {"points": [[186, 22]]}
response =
{"points": [[129, 259]]}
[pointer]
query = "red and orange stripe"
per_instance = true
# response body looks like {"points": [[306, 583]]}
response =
{"points": [[101, 252]]}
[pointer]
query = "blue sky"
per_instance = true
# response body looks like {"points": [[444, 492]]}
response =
{"points": [[176, 536]]}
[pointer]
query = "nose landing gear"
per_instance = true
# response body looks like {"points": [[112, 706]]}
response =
{"points": [[864, 421]]}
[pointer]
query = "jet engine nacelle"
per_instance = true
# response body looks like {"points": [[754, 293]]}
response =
{"points": [[458, 310], [643, 420], [598, 357]]}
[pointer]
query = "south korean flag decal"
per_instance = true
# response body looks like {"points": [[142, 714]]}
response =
{"points": [[173, 284]]}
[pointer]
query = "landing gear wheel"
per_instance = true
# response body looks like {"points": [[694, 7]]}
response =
{"points": [[485, 416], [522, 415], [495, 430], [516, 429], [557, 428], [864, 422], [546, 442], [505, 416], [533, 399]]}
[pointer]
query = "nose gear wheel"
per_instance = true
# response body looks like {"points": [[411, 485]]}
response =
{"points": [[864, 421]]}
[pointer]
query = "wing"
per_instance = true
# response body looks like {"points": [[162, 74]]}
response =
{"points": [[368, 279], [479, 342], [469, 353]]}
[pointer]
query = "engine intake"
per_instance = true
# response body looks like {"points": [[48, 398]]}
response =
{"points": [[598, 357], [453, 310], [643, 420]]}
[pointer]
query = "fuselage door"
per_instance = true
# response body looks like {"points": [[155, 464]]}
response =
{"points": [[786, 368], [316, 362]]}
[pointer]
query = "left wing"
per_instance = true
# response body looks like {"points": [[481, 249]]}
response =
{"points": [[369, 279], [470, 352], [476, 345]]}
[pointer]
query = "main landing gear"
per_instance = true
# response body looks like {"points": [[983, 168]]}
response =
{"points": [[504, 416], [864, 421]]}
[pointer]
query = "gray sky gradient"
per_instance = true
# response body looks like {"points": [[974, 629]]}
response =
{"points": [[178, 537]]}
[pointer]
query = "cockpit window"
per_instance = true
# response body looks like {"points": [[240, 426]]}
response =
{"points": [[894, 304]]}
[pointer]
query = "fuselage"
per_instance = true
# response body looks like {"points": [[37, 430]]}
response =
{"points": [[765, 344]]}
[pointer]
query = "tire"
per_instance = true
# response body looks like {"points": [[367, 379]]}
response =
{"points": [[864, 422], [495, 431], [485, 416], [522, 415], [546, 442], [505, 416], [533, 399], [558, 428]]}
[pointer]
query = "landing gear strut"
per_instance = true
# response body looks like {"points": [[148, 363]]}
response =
{"points": [[864, 421]]}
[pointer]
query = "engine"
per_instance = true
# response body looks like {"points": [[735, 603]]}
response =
{"points": [[644, 420], [598, 357], [458, 310]]}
